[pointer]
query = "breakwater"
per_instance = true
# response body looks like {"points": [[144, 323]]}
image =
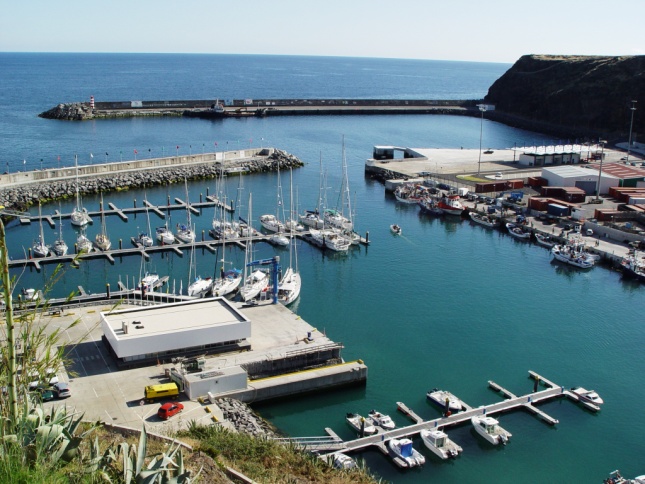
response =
{"points": [[79, 111], [20, 190]]}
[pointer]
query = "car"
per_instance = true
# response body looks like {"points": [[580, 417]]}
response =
{"points": [[498, 174], [169, 409], [61, 390], [45, 394]]}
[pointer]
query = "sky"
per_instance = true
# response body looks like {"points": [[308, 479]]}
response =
{"points": [[461, 30]]}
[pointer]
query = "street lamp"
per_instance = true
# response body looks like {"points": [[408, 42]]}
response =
{"points": [[631, 124], [602, 151], [482, 108]]}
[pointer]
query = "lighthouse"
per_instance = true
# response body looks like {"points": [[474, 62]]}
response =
{"points": [[92, 102]]}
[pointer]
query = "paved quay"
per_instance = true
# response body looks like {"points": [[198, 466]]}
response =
{"points": [[102, 392]]}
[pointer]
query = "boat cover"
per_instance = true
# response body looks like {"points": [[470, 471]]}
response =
{"points": [[406, 449]]}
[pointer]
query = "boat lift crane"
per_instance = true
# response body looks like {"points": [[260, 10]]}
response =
{"points": [[274, 262]]}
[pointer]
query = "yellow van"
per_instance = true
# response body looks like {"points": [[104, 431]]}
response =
{"points": [[161, 391]]}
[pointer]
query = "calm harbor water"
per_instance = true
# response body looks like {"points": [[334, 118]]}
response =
{"points": [[446, 304]]}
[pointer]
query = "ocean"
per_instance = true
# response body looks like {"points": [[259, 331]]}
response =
{"points": [[447, 304]]}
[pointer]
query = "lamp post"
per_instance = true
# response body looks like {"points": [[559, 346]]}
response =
{"points": [[482, 108], [631, 125], [602, 151]]}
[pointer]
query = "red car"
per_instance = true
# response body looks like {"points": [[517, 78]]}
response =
{"points": [[167, 410]]}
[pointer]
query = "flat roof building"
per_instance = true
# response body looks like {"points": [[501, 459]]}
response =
{"points": [[146, 335]]}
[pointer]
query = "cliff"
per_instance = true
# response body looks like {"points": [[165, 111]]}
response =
{"points": [[583, 96]]}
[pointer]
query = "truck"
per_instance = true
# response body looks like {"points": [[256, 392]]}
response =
{"points": [[462, 191]]}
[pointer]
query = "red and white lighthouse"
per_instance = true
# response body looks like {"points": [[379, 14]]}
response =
{"points": [[92, 102]]}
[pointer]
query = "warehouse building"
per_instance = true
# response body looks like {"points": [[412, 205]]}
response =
{"points": [[156, 334], [577, 176]]}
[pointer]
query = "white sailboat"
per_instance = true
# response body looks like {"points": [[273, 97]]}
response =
{"points": [[164, 234], [102, 240], [39, 248], [148, 280], [83, 244], [143, 238], [337, 218], [185, 232], [290, 284], [273, 223], [255, 281], [79, 217], [313, 219], [60, 247], [229, 280], [199, 287]]}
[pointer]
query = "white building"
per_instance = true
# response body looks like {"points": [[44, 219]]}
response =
{"points": [[551, 155], [577, 176], [149, 335]]}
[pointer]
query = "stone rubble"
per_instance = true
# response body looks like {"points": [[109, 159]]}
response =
{"points": [[244, 419]]}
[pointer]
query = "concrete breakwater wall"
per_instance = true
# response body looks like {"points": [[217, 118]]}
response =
{"points": [[83, 110], [20, 190]]}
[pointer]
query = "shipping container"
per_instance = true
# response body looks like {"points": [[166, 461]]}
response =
{"points": [[557, 210], [537, 181], [514, 184], [540, 204]]}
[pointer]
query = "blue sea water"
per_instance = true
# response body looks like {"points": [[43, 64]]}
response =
{"points": [[446, 305]]}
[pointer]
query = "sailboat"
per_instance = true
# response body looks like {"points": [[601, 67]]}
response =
{"points": [[271, 222], [60, 247], [144, 239], [255, 281], [39, 247], [164, 234], [102, 240], [79, 217], [199, 287], [336, 218], [185, 233], [312, 218], [149, 280], [229, 280], [83, 244], [289, 285]]}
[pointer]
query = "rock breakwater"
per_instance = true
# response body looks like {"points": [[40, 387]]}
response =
{"points": [[244, 419], [21, 197]]}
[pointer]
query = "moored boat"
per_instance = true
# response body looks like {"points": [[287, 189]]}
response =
{"points": [[517, 231], [572, 255], [360, 424], [342, 461], [588, 396], [444, 398], [382, 420], [410, 193], [439, 443], [402, 448], [485, 220], [489, 428], [429, 205], [544, 240], [633, 266], [450, 205]]}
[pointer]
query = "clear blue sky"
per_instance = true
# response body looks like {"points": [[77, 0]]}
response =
{"points": [[471, 30]]}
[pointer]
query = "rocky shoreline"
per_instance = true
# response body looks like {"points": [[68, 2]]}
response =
{"points": [[19, 198], [244, 419]]}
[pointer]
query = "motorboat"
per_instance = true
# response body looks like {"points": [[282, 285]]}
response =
{"points": [[615, 477], [485, 220], [396, 229], [382, 420], [572, 255], [342, 461], [440, 396], [148, 282], [588, 396], [450, 205], [489, 428], [517, 231], [361, 424], [544, 240], [402, 448], [440, 444]]}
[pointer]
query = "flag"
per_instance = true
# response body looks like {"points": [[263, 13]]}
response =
{"points": [[58, 157], [91, 155], [136, 152], [177, 146], [24, 162], [106, 153], [215, 143]]}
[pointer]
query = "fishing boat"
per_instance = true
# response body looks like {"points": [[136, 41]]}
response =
{"points": [[440, 444], [382, 420], [185, 232], [440, 396], [361, 424], [402, 448], [633, 266], [429, 205], [517, 231], [395, 229], [450, 205], [544, 240], [60, 247], [102, 240], [342, 461], [39, 248], [572, 254], [79, 216], [410, 193], [489, 428], [485, 220], [199, 287], [588, 396]]}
